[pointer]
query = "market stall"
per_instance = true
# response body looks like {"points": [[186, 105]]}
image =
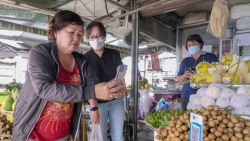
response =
{"points": [[222, 98], [155, 103], [8, 97]]}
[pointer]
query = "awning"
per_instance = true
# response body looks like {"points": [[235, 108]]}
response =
{"points": [[10, 49]]}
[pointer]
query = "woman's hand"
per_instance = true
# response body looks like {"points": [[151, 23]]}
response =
{"points": [[122, 89], [108, 90], [188, 74], [95, 117]]}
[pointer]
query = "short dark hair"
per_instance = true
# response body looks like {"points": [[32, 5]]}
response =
{"points": [[95, 24], [61, 20], [195, 37]]}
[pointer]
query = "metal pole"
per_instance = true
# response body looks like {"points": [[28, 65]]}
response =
{"points": [[220, 49], [177, 52], [134, 11], [134, 90]]}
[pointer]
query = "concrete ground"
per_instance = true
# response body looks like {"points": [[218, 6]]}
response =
{"points": [[146, 135]]}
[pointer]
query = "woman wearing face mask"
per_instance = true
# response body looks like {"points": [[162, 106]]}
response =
{"points": [[194, 45], [58, 79], [104, 62]]}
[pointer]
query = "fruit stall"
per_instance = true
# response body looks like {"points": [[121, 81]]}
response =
{"points": [[8, 99], [222, 99], [223, 88]]}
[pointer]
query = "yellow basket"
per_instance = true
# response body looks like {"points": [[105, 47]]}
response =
{"points": [[9, 114]]}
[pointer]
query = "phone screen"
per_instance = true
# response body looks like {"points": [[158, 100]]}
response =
{"points": [[121, 71]]}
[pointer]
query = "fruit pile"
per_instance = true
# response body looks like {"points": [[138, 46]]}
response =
{"points": [[5, 127], [143, 84], [162, 117], [223, 96], [232, 69], [12, 91], [219, 125]]}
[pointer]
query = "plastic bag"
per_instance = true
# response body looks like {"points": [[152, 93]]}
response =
{"points": [[247, 110], [239, 111], [201, 91], [162, 104], [206, 101], [195, 99], [145, 102], [239, 11], [227, 92], [96, 133], [213, 91], [193, 107], [239, 101], [189, 106], [175, 105], [243, 23], [244, 90], [223, 102]]}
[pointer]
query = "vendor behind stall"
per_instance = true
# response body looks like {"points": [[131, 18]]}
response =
{"points": [[194, 46]]}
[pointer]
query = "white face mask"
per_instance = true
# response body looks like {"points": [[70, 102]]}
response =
{"points": [[97, 44]]}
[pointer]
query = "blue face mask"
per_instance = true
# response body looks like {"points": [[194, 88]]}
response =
{"points": [[193, 50]]}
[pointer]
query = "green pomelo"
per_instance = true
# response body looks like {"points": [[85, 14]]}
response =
{"points": [[15, 94], [7, 104], [140, 84], [13, 106], [145, 81]]}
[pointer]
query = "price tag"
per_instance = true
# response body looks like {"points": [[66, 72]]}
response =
{"points": [[196, 127]]}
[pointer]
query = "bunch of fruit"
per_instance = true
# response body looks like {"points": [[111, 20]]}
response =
{"points": [[232, 69], [5, 127], [219, 125], [143, 84], [12, 91], [162, 117]]}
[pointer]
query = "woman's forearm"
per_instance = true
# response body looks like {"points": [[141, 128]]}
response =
{"points": [[93, 102], [181, 78]]}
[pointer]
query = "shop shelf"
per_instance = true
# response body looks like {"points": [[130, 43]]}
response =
{"points": [[199, 85]]}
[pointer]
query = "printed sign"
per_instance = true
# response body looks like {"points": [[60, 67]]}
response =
{"points": [[196, 127], [155, 62]]}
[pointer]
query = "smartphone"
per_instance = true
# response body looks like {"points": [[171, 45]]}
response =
{"points": [[121, 71], [192, 70]]}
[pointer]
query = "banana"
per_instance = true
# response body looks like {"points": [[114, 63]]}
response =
{"points": [[162, 117]]}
